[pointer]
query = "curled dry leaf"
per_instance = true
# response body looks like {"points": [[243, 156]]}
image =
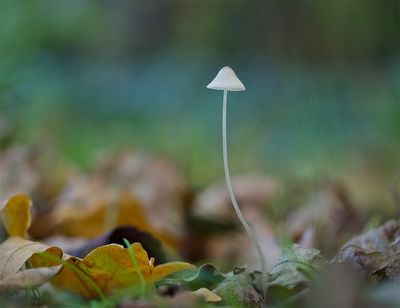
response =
{"points": [[376, 252], [103, 270], [16, 250], [30, 278]]}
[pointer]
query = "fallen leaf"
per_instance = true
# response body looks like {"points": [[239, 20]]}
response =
{"points": [[238, 291], [117, 236], [102, 205], [207, 295], [154, 181], [249, 190], [30, 278], [91, 198], [330, 212], [295, 270], [252, 192], [35, 170], [207, 276], [376, 252], [16, 250], [104, 270], [111, 268], [16, 215]]}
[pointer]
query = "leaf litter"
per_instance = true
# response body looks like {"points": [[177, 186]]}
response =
{"points": [[163, 219]]}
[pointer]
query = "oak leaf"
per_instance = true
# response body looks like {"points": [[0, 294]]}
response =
{"points": [[16, 250]]}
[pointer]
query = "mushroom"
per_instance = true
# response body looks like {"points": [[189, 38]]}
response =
{"points": [[227, 80]]}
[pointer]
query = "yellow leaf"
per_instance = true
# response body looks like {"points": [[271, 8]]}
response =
{"points": [[163, 270], [104, 270], [95, 205], [111, 268], [16, 250], [16, 214], [209, 296]]}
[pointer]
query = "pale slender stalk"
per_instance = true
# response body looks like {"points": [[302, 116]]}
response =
{"points": [[242, 219]]}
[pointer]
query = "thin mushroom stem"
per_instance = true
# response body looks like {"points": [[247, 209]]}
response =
{"points": [[242, 219]]}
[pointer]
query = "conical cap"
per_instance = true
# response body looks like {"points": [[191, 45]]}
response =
{"points": [[226, 79]]}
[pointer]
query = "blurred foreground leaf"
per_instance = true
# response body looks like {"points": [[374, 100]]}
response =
{"points": [[296, 269], [104, 270], [376, 252], [30, 278], [16, 250]]}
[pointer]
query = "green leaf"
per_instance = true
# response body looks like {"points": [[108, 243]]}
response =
{"points": [[296, 269]]}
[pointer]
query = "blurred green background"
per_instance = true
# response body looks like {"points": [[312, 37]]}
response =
{"points": [[322, 81]]}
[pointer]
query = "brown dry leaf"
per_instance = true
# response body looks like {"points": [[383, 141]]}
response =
{"points": [[91, 200], [108, 267], [128, 189], [15, 251], [376, 252], [37, 171], [249, 190], [30, 278], [329, 214], [252, 191], [154, 182]]}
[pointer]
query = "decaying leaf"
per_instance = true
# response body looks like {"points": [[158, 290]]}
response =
{"points": [[295, 270], [239, 291], [328, 211], [376, 252], [107, 267], [207, 295], [102, 205], [30, 278], [16, 250], [34, 170], [91, 199], [249, 190], [154, 181]]}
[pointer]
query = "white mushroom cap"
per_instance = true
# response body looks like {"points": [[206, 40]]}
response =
{"points": [[226, 79]]}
